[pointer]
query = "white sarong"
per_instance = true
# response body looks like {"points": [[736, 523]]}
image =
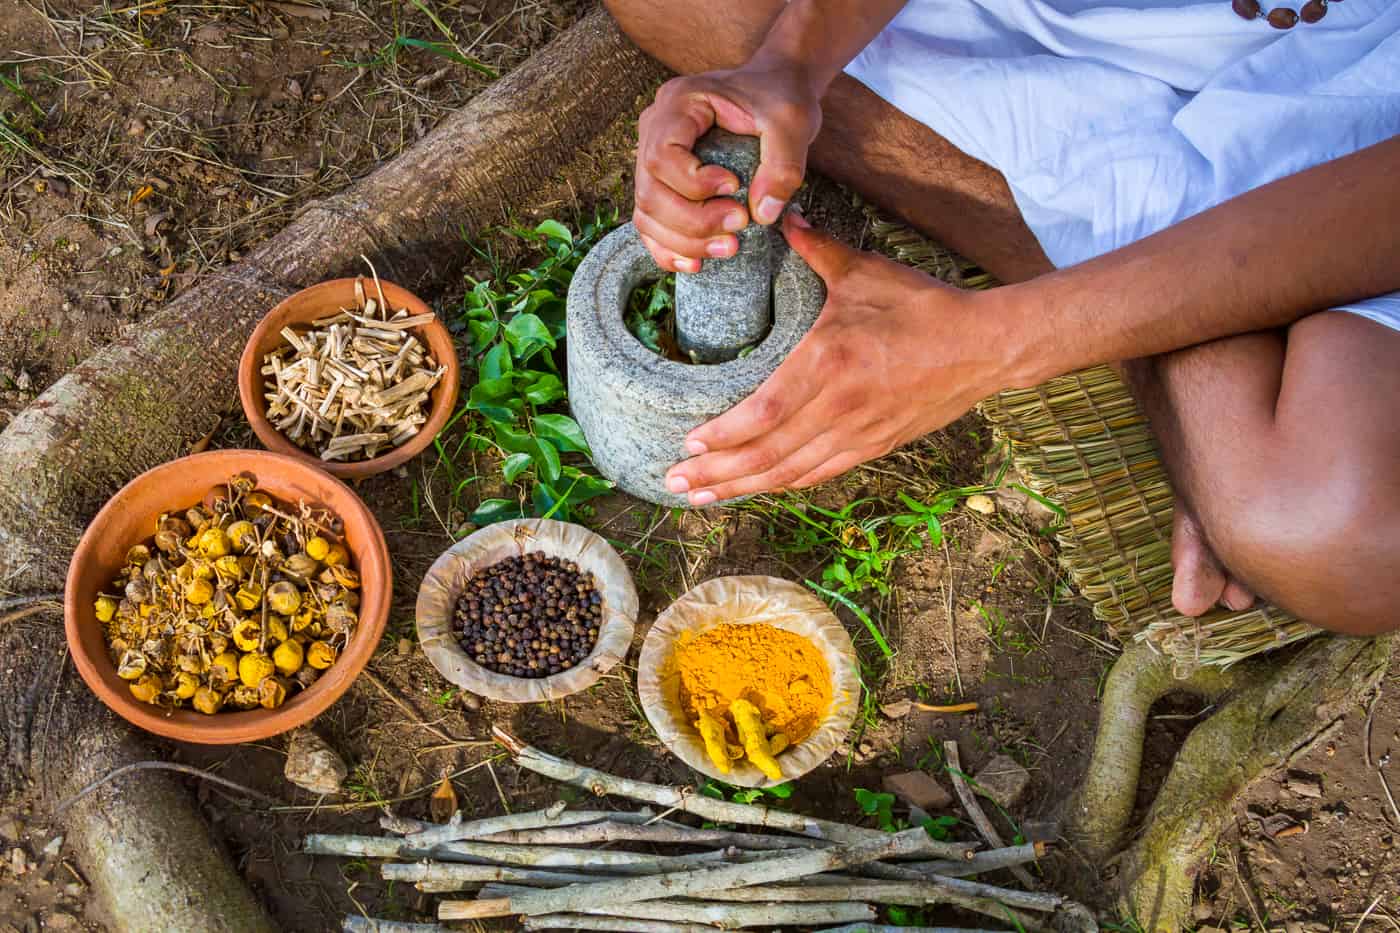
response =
{"points": [[1114, 120]]}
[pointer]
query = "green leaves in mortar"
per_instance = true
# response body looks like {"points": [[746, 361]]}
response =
{"points": [[515, 332]]}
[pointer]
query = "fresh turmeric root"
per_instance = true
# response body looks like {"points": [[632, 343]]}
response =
{"points": [[749, 721], [715, 745]]}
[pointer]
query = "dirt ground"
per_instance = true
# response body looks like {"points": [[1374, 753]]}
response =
{"points": [[152, 144]]}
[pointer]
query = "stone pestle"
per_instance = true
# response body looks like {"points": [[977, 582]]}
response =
{"points": [[727, 306]]}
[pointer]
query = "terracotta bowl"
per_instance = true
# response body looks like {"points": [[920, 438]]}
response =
{"points": [[324, 300], [129, 517]]}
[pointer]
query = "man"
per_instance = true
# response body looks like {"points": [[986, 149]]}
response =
{"points": [[1206, 200]]}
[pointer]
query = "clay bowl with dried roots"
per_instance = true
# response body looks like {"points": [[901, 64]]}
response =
{"points": [[449, 575], [298, 311], [129, 518]]}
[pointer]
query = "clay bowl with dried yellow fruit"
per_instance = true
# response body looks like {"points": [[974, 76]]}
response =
{"points": [[227, 596], [750, 680], [366, 381]]}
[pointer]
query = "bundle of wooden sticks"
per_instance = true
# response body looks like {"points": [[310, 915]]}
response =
{"points": [[774, 868]]}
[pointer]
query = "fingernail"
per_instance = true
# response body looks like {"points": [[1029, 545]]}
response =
{"points": [[703, 497], [728, 188], [769, 209], [734, 221], [696, 448], [687, 265], [797, 220], [677, 484], [719, 248]]}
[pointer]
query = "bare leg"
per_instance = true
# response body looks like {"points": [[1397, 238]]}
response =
{"points": [[865, 143], [1284, 451]]}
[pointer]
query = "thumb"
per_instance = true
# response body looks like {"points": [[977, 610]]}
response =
{"points": [[781, 166], [827, 256]]}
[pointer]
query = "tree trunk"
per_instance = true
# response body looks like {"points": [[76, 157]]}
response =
{"points": [[142, 400]]}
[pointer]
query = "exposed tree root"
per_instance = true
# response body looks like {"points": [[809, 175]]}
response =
{"points": [[145, 398], [1274, 709]]}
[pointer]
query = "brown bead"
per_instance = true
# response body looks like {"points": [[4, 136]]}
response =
{"points": [[1247, 9], [1282, 17], [1313, 10]]}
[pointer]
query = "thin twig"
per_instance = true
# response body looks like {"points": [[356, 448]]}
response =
{"points": [[163, 766], [974, 811], [952, 619], [1367, 913], [1370, 717], [28, 599], [1248, 894], [413, 714]]}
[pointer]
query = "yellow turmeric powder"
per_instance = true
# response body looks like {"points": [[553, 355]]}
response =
{"points": [[780, 672]]}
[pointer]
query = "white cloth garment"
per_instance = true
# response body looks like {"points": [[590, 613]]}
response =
{"points": [[1112, 120]]}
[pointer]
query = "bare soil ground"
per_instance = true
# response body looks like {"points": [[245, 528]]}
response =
{"points": [[233, 116]]}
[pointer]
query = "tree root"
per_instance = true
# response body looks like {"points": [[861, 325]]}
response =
{"points": [[1274, 710], [145, 398]]}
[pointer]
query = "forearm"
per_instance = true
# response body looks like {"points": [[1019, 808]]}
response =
{"points": [[819, 37], [1322, 237]]}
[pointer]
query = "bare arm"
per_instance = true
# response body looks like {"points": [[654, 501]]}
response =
{"points": [[896, 354], [1311, 241]]}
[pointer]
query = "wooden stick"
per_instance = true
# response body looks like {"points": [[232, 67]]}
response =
{"points": [[783, 867], [979, 819], [664, 833], [690, 801], [356, 924], [456, 877], [724, 915], [585, 922], [910, 893], [983, 862], [529, 856], [553, 816]]}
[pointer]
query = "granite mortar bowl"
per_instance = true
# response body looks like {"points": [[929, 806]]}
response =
{"points": [[129, 518], [324, 300]]}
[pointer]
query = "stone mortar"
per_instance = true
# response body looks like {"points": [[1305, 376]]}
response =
{"points": [[636, 407]]}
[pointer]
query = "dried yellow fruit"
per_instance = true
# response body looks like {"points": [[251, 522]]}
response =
{"points": [[317, 548], [242, 535], [277, 629], [272, 693], [288, 657], [199, 591], [255, 502], [320, 655], [213, 542], [147, 689], [305, 618], [243, 697], [301, 565], [253, 667], [335, 556], [247, 635], [208, 701], [344, 576], [224, 668], [106, 608], [138, 555], [228, 569], [284, 598], [186, 685], [248, 597], [133, 665]]}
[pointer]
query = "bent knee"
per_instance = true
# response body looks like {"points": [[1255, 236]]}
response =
{"points": [[1326, 548]]}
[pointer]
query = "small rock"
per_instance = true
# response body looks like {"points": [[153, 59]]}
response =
{"points": [[470, 701], [58, 920], [23, 381], [980, 503], [136, 127], [865, 749], [11, 829], [918, 789], [1003, 781], [53, 847], [898, 709], [405, 647], [1304, 785], [75, 889], [313, 765], [18, 863]]}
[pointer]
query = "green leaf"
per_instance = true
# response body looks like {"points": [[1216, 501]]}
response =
{"points": [[544, 388], [935, 531], [711, 789], [493, 390], [497, 362], [495, 510], [563, 432], [482, 333], [514, 465], [544, 500], [939, 827], [553, 229], [527, 336], [748, 795], [547, 459], [513, 441], [446, 51], [782, 791]]}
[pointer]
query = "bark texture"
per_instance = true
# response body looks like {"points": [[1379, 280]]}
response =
{"points": [[144, 399]]}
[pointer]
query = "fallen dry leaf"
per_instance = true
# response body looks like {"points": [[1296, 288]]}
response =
{"points": [[153, 222], [443, 803]]}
